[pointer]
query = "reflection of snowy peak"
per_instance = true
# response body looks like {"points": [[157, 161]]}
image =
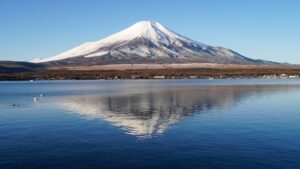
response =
{"points": [[146, 42], [147, 114], [142, 115]]}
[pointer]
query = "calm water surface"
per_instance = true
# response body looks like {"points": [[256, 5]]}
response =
{"points": [[230, 124]]}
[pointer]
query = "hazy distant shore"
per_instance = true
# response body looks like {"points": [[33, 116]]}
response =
{"points": [[169, 66]]}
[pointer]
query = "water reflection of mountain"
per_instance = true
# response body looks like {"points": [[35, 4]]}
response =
{"points": [[149, 113]]}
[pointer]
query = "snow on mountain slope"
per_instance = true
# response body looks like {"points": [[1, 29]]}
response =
{"points": [[152, 31], [147, 41]]}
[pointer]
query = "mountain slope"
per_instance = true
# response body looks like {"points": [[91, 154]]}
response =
{"points": [[16, 67], [147, 42]]}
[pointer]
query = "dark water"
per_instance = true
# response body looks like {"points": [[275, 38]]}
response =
{"points": [[232, 124]]}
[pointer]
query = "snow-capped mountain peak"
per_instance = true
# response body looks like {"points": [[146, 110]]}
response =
{"points": [[146, 42], [153, 31], [148, 30]]}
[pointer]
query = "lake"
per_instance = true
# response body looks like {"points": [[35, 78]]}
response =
{"points": [[192, 124]]}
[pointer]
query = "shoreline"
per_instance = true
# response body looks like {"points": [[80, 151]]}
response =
{"points": [[40, 80], [156, 74]]}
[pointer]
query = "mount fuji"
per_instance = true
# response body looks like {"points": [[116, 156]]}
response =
{"points": [[147, 42]]}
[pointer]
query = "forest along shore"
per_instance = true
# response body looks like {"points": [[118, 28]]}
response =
{"points": [[212, 72]]}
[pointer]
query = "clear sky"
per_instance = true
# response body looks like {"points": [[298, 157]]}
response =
{"points": [[259, 29]]}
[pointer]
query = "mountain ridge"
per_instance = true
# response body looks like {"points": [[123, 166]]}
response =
{"points": [[148, 42]]}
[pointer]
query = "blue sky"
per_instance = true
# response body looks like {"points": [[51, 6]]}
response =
{"points": [[264, 29]]}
